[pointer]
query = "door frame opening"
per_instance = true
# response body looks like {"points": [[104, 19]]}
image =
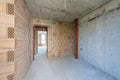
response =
{"points": [[37, 28]]}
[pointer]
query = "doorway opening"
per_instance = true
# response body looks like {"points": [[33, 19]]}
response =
{"points": [[40, 42]]}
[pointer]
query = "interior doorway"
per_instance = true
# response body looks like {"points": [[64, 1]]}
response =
{"points": [[40, 42]]}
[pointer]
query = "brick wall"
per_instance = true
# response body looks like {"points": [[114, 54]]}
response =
{"points": [[60, 37]]}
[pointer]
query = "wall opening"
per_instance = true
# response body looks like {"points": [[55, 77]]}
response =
{"points": [[40, 42]]}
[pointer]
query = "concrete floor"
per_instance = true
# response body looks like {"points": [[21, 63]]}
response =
{"points": [[66, 68]]}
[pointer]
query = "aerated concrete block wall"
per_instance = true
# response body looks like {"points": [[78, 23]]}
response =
{"points": [[99, 38]]}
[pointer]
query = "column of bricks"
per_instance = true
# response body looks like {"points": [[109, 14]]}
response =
{"points": [[7, 40]]}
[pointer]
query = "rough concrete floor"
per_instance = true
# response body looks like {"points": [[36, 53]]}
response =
{"points": [[66, 68]]}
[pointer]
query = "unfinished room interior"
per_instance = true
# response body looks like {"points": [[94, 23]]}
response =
{"points": [[59, 39]]}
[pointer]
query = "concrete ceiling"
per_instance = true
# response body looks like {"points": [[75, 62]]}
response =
{"points": [[62, 10]]}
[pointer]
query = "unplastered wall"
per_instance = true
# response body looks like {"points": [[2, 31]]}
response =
{"points": [[7, 40], [22, 36], [15, 43], [60, 37], [99, 38]]}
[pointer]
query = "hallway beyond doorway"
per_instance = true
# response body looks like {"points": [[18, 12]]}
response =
{"points": [[42, 50]]}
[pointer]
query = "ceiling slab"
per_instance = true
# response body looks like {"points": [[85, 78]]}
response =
{"points": [[62, 10]]}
